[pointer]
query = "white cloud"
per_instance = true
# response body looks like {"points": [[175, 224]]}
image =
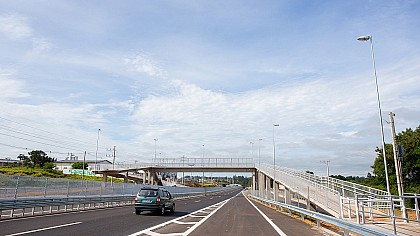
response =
{"points": [[10, 88], [333, 119], [40, 45], [143, 63], [15, 27]]}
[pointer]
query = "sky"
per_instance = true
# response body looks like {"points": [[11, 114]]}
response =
{"points": [[212, 73]]}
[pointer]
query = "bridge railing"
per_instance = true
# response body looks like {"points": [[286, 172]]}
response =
{"points": [[346, 188], [326, 198], [334, 195], [221, 162]]}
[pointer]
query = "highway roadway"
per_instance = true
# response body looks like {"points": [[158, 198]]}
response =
{"points": [[229, 213]]}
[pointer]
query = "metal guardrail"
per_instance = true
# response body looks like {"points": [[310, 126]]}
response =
{"points": [[345, 225], [29, 186], [10, 208]]}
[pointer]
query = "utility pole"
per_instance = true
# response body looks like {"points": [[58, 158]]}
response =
{"points": [[83, 171], [398, 169], [113, 160]]}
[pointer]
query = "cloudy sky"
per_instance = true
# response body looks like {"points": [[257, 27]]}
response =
{"points": [[212, 73]]}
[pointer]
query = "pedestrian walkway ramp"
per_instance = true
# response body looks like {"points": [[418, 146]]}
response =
{"points": [[346, 200]]}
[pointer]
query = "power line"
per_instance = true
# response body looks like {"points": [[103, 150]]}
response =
{"points": [[34, 136], [45, 131]]}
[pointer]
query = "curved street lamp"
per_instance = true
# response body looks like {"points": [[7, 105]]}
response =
{"points": [[369, 38]]}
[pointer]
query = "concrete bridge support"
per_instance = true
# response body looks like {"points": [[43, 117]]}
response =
{"points": [[104, 177], [267, 187], [148, 176], [287, 196], [126, 177], [254, 180], [261, 184], [276, 191]]}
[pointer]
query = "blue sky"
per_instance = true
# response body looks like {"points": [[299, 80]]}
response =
{"points": [[213, 73]]}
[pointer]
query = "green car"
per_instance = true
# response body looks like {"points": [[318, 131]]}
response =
{"points": [[156, 199]]}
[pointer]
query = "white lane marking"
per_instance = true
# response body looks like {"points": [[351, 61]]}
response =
{"points": [[279, 231], [149, 231], [43, 229], [207, 216]]}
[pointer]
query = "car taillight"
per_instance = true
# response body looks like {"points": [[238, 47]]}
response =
{"points": [[136, 199], [158, 199]]}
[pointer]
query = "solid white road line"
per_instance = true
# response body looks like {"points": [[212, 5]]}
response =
{"points": [[43, 229], [279, 231]]}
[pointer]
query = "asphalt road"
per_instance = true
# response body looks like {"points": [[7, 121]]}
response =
{"points": [[240, 217], [223, 214]]}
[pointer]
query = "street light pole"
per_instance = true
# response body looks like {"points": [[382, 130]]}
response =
{"points": [[369, 38], [155, 149], [96, 154], [202, 163], [252, 150], [274, 164], [259, 152], [327, 162]]}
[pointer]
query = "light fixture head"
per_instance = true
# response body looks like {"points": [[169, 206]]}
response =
{"points": [[364, 38]]}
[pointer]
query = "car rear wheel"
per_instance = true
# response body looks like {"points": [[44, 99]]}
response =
{"points": [[173, 208]]}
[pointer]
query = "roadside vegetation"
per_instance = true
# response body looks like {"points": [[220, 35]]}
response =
{"points": [[410, 141]]}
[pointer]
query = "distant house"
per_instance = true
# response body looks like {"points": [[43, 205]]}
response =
{"points": [[66, 164], [9, 161]]}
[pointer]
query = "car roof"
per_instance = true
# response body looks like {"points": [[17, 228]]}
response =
{"points": [[152, 188]]}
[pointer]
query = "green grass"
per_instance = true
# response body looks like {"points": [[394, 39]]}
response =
{"points": [[39, 172], [25, 171]]}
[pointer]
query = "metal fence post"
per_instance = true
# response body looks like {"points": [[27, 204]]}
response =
{"points": [[356, 202], [340, 205], [393, 217], [68, 187], [416, 206], [17, 186], [45, 187]]}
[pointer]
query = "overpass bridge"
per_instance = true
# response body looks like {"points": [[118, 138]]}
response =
{"points": [[341, 199]]}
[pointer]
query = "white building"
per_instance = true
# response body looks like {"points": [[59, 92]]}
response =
{"points": [[66, 164]]}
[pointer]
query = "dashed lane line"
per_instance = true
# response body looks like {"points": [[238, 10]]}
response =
{"points": [[210, 210], [43, 229]]}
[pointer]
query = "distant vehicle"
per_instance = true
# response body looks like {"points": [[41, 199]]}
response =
{"points": [[156, 199]]}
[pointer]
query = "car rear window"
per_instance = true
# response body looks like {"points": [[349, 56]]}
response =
{"points": [[148, 193]]}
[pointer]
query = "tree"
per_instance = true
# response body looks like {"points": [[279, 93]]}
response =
{"points": [[39, 158], [26, 161], [49, 166], [79, 165], [410, 140]]}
